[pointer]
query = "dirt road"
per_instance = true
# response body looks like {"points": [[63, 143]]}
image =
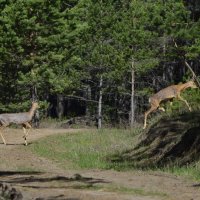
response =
{"points": [[41, 179]]}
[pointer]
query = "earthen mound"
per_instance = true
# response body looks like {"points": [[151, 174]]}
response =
{"points": [[170, 141]]}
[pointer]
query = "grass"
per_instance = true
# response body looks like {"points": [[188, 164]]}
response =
{"points": [[190, 171], [86, 149], [25, 169], [120, 189], [133, 191], [51, 122]]}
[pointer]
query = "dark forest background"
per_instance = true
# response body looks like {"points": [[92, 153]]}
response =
{"points": [[101, 59]]}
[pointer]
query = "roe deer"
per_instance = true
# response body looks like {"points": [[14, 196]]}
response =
{"points": [[168, 93], [22, 118]]}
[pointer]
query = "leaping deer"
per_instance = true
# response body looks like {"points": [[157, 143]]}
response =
{"points": [[22, 118], [168, 93]]}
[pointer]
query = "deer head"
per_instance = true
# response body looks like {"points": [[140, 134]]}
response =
{"points": [[192, 84], [35, 105]]}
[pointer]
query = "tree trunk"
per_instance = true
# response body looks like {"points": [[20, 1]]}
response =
{"points": [[164, 55], [36, 116], [34, 96], [132, 117], [60, 106], [100, 104], [88, 97]]}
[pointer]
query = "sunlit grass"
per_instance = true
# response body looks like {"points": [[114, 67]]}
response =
{"points": [[190, 171], [121, 189], [87, 149]]}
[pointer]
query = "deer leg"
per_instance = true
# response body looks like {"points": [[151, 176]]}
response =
{"points": [[26, 132], [162, 109], [3, 138], [4, 141], [182, 99], [25, 142], [29, 128], [147, 113], [171, 102]]}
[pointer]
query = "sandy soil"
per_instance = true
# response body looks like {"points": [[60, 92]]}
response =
{"points": [[41, 179]]}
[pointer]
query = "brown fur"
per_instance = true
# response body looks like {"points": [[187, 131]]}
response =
{"points": [[23, 119], [167, 93]]}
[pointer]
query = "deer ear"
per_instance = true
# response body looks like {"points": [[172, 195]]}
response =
{"points": [[34, 102]]}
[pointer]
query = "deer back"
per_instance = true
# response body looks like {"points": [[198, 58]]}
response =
{"points": [[17, 118], [166, 93]]}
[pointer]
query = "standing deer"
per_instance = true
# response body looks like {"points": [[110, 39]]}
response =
{"points": [[22, 118], [168, 93]]}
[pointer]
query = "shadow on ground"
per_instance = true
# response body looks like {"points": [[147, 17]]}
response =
{"points": [[24, 179], [40, 180], [171, 141], [59, 197], [11, 173]]}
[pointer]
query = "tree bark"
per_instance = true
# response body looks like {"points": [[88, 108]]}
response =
{"points": [[60, 106], [34, 96], [132, 120], [100, 104], [88, 97]]}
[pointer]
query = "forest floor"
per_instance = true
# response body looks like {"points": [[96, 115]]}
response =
{"points": [[42, 179]]}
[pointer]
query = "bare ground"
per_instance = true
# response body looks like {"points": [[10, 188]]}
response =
{"points": [[42, 179]]}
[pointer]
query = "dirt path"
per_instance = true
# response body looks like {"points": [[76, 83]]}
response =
{"points": [[42, 179]]}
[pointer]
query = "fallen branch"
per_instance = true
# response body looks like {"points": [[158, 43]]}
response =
{"points": [[189, 67]]}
